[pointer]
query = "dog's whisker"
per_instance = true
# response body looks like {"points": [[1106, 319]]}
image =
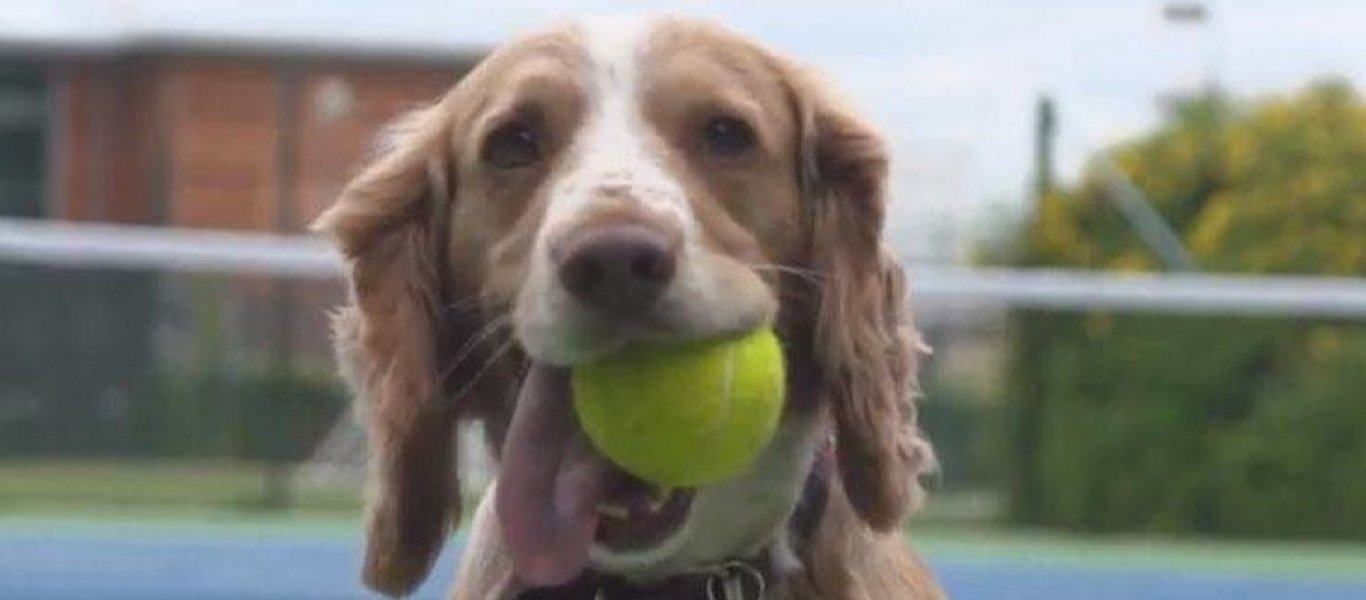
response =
{"points": [[493, 359], [791, 294], [808, 275], [476, 340], [462, 304]]}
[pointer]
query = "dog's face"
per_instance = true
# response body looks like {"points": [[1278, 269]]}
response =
{"points": [[590, 187], [637, 183], [628, 180]]}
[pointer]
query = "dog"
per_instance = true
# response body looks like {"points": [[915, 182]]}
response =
{"points": [[618, 181]]}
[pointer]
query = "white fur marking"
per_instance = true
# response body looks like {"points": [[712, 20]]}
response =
{"points": [[617, 154], [613, 149]]}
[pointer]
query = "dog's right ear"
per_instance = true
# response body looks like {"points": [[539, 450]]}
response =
{"points": [[865, 346], [390, 224]]}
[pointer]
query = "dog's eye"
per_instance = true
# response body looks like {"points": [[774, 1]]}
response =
{"points": [[512, 146], [727, 136]]}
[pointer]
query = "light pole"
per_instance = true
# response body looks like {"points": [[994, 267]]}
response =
{"points": [[1199, 16], [1132, 203]]}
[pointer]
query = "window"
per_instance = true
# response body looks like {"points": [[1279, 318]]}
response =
{"points": [[23, 153]]}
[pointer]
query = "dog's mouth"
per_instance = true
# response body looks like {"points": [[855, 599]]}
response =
{"points": [[557, 496]]}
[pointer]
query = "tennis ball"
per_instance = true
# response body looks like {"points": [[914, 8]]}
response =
{"points": [[687, 415]]}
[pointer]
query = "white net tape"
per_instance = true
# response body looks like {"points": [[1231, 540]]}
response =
{"points": [[66, 244]]}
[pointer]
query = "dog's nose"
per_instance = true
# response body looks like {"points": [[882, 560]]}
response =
{"points": [[620, 269]]}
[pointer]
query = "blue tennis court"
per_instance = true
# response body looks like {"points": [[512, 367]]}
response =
{"points": [[64, 561]]}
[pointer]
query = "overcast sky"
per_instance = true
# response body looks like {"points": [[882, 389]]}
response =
{"points": [[953, 82]]}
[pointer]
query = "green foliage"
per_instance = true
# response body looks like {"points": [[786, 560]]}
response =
{"points": [[79, 378], [1302, 450], [281, 415], [954, 417], [268, 416], [1197, 424], [256, 414], [76, 345]]}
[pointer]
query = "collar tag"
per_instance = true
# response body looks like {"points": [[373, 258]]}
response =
{"points": [[734, 580], [728, 582]]}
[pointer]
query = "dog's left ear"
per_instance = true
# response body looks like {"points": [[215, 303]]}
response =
{"points": [[396, 341], [864, 343]]}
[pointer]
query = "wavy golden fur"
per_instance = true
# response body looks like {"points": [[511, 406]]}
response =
{"points": [[425, 338]]}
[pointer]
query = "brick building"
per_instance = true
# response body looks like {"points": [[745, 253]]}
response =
{"points": [[197, 132], [216, 130]]}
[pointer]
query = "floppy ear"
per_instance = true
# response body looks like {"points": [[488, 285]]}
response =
{"points": [[392, 337], [864, 345]]}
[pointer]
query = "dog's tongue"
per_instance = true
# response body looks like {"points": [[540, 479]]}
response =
{"points": [[549, 483]]}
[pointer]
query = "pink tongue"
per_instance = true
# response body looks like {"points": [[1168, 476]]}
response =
{"points": [[549, 485]]}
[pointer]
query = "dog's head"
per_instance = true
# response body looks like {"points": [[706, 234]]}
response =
{"points": [[592, 186]]}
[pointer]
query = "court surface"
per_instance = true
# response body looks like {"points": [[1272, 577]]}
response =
{"points": [[93, 560]]}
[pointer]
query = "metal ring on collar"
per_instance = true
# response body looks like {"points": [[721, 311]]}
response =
{"points": [[730, 581]]}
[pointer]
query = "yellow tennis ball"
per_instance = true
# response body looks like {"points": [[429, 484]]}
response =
{"points": [[684, 416]]}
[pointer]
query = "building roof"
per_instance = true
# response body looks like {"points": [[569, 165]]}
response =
{"points": [[414, 29]]}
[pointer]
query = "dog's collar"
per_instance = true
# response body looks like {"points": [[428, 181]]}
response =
{"points": [[732, 580], [738, 579]]}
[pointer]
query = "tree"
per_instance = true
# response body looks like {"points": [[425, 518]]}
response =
{"points": [[1141, 422]]}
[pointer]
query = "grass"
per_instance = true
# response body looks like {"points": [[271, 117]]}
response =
{"points": [[155, 486], [968, 525], [1250, 558]]}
